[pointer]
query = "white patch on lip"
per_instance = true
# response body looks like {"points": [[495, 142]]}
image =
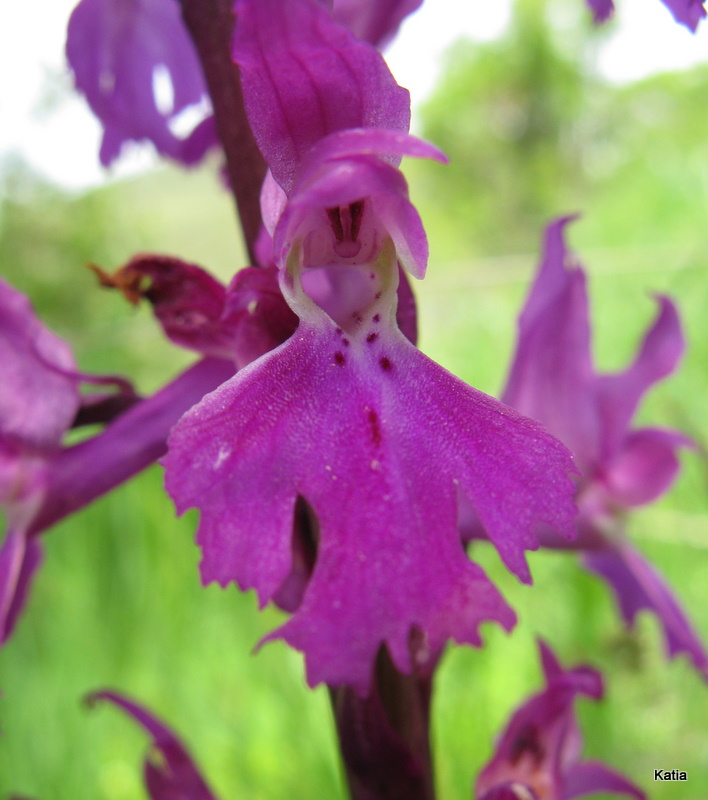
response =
{"points": [[224, 453]]}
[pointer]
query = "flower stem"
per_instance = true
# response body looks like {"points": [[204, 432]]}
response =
{"points": [[211, 24], [384, 738]]}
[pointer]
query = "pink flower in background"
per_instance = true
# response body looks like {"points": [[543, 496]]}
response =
{"points": [[375, 21], [119, 51], [685, 12], [538, 755], [553, 379]]}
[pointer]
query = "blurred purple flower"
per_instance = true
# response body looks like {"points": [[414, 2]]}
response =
{"points": [[538, 755], [119, 52], [39, 399], [685, 12], [42, 481], [169, 771], [374, 21], [347, 430], [553, 379]]}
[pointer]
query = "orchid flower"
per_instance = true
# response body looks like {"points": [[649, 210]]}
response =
{"points": [[538, 755], [169, 771], [347, 427], [685, 12], [553, 379]]}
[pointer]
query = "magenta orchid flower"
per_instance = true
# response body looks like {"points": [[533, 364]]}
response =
{"points": [[347, 425], [538, 755], [553, 380], [685, 12], [169, 771], [118, 52]]}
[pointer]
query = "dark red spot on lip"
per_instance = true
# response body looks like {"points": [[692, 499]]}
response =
{"points": [[338, 331], [345, 342], [357, 316], [386, 364], [375, 430], [376, 317], [371, 337], [339, 358], [377, 296]]}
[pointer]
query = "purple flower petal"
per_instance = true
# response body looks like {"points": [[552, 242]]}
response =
{"points": [[257, 313], [645, 467], [509, 791], [552, 378], [638, 586], [686, 12], [172, 776], [602, 10], [376, 439], [116, 49], [304, 77], [374, 21], [537, 755], [619, 394], [340, 183], [38, 400], [591, 777], [79, 474], [19, 560]]}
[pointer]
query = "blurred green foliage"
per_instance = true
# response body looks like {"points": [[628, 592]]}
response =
{"points": [[530, 133]]}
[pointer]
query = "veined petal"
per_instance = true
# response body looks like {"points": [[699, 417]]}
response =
{"points": [[172, 776], [645, 466], [38, 399], [591, 777], [620, 394], [391, 144], [376, 438], [637, 586], [304, 76], [375, 21], [552, 378]]}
